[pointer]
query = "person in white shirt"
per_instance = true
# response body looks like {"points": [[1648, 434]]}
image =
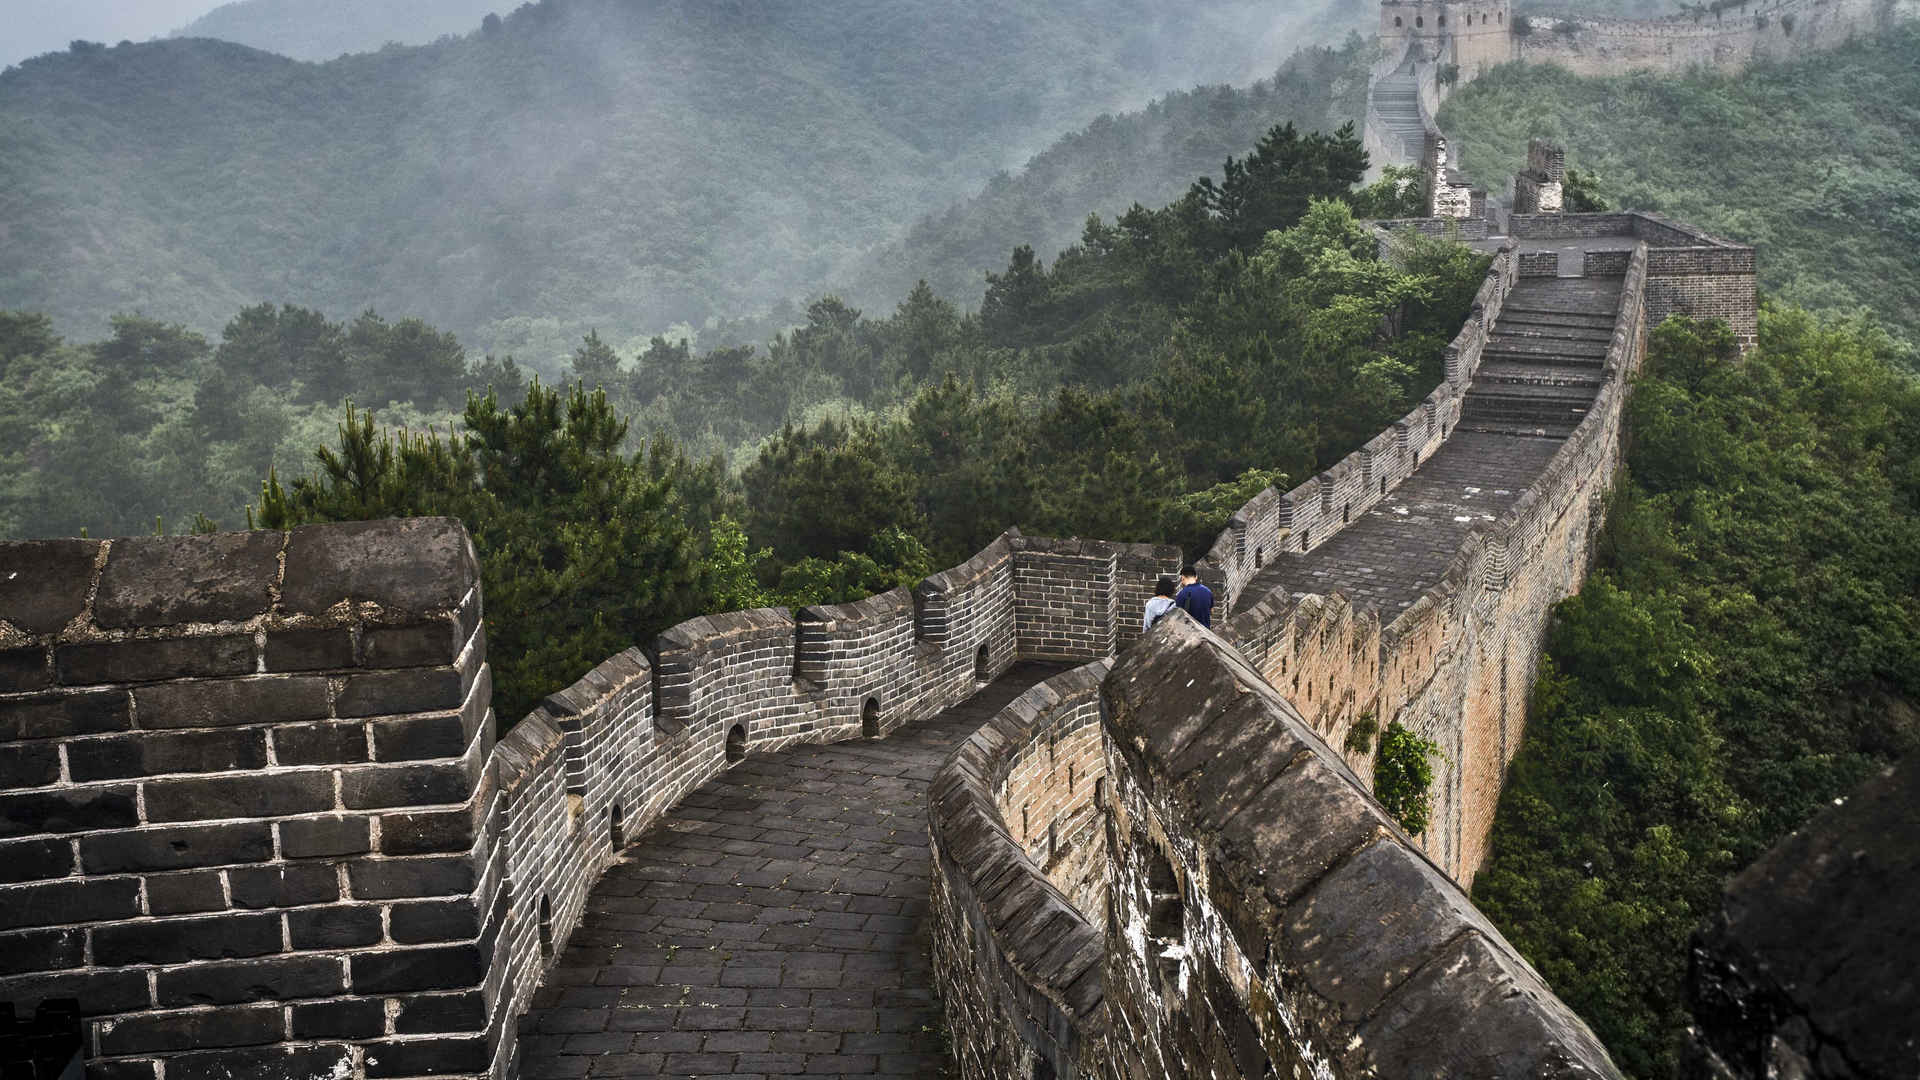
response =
{"points": [[1161, 603]]}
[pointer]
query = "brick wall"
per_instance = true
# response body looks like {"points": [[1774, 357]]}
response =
{"points": [[1016, 956], [1270, 920], [243, 811]]}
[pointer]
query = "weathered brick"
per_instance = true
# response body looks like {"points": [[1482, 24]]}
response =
{"points": [[422, 1014], [283, 886], [410, 566], [381, 786], [151, 753], [261, 795], [174, 941], [42, 950], [160, 1032], [280, 978], [44, 583], [100, 993], [177, 847], [325, 837], [164, 580], [385, 879], [153, 659], [310, 650], [65, 810], [429, 644], [25, 669], [342, 743], [62, 903], [24, 765], [420, 1057], [57, 716], [434, 921], [442, 967], [262, 699], [428, 832], [421, 737], [353, 1018], [336, 926], [36, 860], [264, 1063], [384, 693], [185, 894]]}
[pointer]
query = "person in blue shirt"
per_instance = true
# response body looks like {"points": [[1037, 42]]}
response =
{"points": [[1194, 598]]}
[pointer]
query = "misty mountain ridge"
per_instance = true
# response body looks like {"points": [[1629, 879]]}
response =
{"points": [[324, 29], [578, 163]]}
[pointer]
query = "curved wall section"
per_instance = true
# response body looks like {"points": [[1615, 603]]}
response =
{"points": [[1017, 949]]}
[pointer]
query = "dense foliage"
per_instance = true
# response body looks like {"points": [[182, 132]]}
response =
{"points": [[575, 164], [1403, 777], [1747, 648], [1814, 162], [1142, 387]]}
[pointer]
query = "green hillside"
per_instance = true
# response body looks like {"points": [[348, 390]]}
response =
{"points": [[579, 164], [324, 29], [1814, 162]]}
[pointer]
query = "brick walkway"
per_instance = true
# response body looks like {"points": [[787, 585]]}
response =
{"points": [[771, 925]]}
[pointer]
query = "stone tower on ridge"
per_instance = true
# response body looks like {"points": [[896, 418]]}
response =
{"points": [[1474, 34]]}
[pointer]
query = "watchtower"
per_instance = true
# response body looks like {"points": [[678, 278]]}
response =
{"points": [[1473, 34]]}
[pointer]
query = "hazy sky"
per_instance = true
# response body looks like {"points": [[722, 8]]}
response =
{"points": [[31, 27]]}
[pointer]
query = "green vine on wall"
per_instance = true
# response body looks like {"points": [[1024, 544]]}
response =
{"points": [[1403, 777]]}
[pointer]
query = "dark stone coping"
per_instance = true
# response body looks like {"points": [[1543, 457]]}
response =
{"points": [[597, 685], [408, 570], [1813, 954], [1383, 961], [1051, 947], [888, 606], [973, 571], [711, 631], [522, 753]]}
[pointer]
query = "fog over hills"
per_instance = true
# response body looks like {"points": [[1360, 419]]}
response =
{"points": [[576, 163], [324, 29]]}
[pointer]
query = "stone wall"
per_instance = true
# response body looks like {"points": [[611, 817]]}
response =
{"points": [[244, 803], [1777, 30], [1017, 949], [1689, 272], [259, 825], [1270, 920]]}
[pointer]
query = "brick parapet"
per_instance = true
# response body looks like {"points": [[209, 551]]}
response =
{"points": [[1315, 510], [248, 799], [1018, 957], [1269, 917]]}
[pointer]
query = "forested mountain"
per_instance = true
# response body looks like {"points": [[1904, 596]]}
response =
{"points": [[324, 29], [579, 164], [1814, 163]]}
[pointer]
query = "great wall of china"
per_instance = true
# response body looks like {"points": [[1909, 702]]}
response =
{"points": [[253, 815]]}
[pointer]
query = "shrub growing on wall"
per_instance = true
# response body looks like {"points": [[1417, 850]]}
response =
{"points": [[1403, 777]]}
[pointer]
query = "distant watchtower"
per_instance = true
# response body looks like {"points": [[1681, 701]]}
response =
{"points": [[1474, 35]]}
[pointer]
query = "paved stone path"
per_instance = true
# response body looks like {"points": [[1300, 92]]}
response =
{"points": [[1538, 377], [771, 925]]}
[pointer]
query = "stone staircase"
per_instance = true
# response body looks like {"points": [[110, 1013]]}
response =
{"points": [[1544, 361], [1396, 101]]}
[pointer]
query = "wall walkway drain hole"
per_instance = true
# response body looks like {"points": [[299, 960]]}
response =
{"points": [[736, 744], [870, 719]]}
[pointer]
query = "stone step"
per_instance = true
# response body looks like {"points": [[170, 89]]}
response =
{"points": [[1512, 372], [1519, 431], [1572, 314], [1571, 348], [1511, 356], [1568, 325]]}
